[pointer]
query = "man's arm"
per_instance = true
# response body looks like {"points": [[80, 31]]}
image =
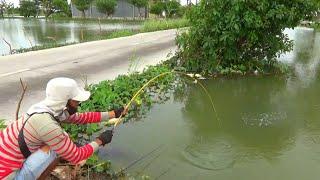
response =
{"points": [[89, 117], [96, 117], [58, 140]]}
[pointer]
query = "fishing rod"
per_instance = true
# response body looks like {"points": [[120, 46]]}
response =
{"points": [[132, 163], [120, 119], [141, 158]]}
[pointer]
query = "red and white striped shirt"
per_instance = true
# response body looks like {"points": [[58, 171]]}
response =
{"points": [[40, 130]]}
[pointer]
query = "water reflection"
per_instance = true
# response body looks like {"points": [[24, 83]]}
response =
{"points": [[253, 124], [25, 33], [261, 116], [269, 126]]}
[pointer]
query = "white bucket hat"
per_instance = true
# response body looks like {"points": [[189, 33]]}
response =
{"points": [[63, 89]]}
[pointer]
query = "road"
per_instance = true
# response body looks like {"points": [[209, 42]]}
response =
{"points": [[97, 61]]}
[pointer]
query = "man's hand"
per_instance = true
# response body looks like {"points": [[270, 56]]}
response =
{"points": [[121, 111], [113, 121], [105, 137]]}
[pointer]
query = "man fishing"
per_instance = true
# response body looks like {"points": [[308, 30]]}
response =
{"points": [[29, 145]]}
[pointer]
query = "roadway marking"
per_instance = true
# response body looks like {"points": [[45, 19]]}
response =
{"points": [[15, 72]]}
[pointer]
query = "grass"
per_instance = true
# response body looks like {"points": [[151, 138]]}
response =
{"points": [[121, 33], [156, 25], [36, 48]]}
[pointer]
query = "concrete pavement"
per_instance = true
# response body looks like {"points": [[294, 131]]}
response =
{"points": [[98, 60]]}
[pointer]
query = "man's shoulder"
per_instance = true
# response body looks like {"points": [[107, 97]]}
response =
{"points": [[42, 118]]}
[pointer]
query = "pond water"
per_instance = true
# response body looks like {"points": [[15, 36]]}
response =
{"points": [[269, 126], [25, 33]]}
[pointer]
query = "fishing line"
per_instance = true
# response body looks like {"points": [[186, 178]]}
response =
{"points": [[120, 119]]}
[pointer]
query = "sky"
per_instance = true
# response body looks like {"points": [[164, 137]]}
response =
{"points": [[16, 2]]}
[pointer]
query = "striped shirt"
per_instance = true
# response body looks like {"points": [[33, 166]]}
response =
{"points": [[40, 130]]}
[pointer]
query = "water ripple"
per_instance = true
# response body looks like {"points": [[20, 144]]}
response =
{"points": [[210, 156]]}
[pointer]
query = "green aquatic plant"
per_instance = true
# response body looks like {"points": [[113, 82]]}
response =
{"points": [[2, 124], [154, 79]]}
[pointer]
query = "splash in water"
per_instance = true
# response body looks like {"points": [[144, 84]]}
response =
{"points": [[263, 119]]}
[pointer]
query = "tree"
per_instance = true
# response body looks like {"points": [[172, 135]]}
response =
{"points": [[228, 35], [10, 9], [171, 7], [27, 8], [106, 6], [82, 5], [3, 6], [157, 8], [139, 4], [47, 7], [61, 6]]}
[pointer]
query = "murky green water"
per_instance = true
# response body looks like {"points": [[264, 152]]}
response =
{"points": [[269, 129], [25, 33]]}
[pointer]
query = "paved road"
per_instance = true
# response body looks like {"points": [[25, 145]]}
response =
{"points": [[99, 60]]}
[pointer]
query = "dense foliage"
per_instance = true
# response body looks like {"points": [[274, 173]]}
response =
{"points": [[239, 36], [111, 94]]}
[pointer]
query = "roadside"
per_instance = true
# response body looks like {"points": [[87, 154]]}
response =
{"points": [[97, 61], [146, 26]]}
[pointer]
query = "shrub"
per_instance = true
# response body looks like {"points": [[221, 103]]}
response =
{"points": [[239, 35]]}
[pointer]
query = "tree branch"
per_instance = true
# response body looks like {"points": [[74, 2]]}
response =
{"points": [[24, 88], [8, 45]]}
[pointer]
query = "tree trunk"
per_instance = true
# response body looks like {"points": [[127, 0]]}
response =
{"points": [[83, 14]]}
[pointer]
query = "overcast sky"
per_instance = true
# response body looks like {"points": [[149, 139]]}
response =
{"points": [[16, 2]]}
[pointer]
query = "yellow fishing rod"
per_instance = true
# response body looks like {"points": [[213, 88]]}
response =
{"points": [[120, 119]]}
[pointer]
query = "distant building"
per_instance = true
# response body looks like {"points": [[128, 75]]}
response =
{"points": [[123, 10]]}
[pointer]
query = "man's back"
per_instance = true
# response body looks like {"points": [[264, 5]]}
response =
{"points": [[11, 157]]}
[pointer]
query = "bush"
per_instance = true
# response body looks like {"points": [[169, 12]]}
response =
{"points": [[239, 35]]}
